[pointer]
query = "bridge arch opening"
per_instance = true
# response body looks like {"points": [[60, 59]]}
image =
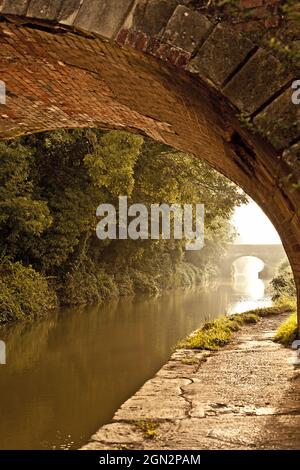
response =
{"points": [[246, 277], [123, 70], [248, 266]]}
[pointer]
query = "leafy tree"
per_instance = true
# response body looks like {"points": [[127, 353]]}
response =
{"points": [[283, 284], [111, 164], [21, 214]]}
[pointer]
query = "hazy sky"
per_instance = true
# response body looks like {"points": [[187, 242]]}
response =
{"points": [[253, 226]]}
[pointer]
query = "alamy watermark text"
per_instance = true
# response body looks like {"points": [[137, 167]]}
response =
{"points": [[136, 222]]}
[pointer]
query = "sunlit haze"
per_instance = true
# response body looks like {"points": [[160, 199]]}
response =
{"points": [[253, 226]]}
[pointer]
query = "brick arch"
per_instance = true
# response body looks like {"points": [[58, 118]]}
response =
{"points": [[270, 255], [164, 69]]}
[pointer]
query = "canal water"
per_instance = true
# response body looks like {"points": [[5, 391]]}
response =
{"points": [[66, 375]]}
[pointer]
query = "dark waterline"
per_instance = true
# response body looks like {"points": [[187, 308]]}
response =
{"points": [[67, 374]]}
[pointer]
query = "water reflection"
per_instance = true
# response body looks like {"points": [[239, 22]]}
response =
{"points": [[67, 374], [247, 287]]}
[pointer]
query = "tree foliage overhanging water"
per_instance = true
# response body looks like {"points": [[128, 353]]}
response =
{"points": [[50, 187]]}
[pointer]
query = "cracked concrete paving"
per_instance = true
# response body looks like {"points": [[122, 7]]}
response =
{"points": [[245, 396]]}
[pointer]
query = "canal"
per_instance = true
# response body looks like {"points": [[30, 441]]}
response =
{"points": [[67, 374]]}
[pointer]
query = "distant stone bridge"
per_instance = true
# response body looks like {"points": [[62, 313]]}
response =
{"points": [[175, 70], [270, 255]]}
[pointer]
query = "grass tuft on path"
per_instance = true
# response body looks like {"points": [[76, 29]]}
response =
{"points": [[215, 334], [149, 428], [287, 332]]}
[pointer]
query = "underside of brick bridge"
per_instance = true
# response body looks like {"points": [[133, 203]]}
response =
{"points": [[164, 69]]}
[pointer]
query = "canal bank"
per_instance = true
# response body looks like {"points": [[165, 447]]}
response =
{"points": [[77, 366], [244, 396]]}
